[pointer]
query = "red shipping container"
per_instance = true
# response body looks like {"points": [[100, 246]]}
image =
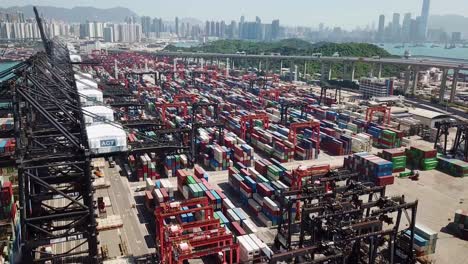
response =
{"points": [[211, 198], [207, 185], [383, 181], [164, 194], [246, 188], [237, 229], [221, 194]]}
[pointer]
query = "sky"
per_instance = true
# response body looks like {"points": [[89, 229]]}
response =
{"points": [[344, 13]]}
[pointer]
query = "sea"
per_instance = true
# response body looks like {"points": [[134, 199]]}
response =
{"points": [[426, 50]]}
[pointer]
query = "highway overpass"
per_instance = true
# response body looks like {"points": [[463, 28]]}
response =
{"points": [[412, 65]]}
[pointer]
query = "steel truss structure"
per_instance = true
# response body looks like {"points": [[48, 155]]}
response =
{"points": [[352, 223], [460, 144], [53, 161]]}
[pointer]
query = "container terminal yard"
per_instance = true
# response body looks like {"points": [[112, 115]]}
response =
{"points": [[124, 157]]}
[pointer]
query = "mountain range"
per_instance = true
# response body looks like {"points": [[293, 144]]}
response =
{"points": [[75, 14]]}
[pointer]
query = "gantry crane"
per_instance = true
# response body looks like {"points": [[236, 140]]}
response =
{"points": [[179, 241], [164, 106], [315, 126], [382, 109], [272, 94], [250, 119]]}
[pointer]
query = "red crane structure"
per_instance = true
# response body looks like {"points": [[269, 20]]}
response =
{"points": [[382, 109], [164, 106], [183, 97], [315, 126], [177, 242], [250, 119], [272, 94]]}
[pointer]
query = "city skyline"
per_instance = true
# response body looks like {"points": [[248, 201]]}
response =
{"points": [[365, 12]]}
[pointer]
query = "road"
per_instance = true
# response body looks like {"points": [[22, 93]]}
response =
{"points": [[439, 63], [134, 232]]}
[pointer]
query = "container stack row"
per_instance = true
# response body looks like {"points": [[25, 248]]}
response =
{"points": [[422, 158], [6, 124], [10, 228], [257, 188], [397, 157], [425, 240], [7, 146], [454, 167], [172, 163], [371, 167]]}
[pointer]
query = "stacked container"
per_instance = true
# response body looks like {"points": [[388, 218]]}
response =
{"points": [[7, 146], [422, 158], [173, 163], [371, 168], [397, 157], [454, 167]]}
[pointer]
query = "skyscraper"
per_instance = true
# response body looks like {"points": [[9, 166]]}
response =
{"points": [[406, 28], [396, 26], [207, 28], [177, 26], [424, 19], [381, 32], [241, 27], [275, 29]]}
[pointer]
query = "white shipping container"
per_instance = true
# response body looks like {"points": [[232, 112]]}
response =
{"points": [[264, 220], [227, 204], [233, 216], [249, 226], [75, 58], [85, 84], [91, 97], [272, 205], [246, 250], [95, 114], [159, 195], [185, 191], [255, 247], [149, 184], [105, 138], [258, 198]]}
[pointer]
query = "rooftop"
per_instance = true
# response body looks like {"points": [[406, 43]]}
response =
{"points": [[427, 113]]}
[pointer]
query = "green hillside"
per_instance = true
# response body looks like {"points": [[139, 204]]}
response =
{"points": [[300, 48]]}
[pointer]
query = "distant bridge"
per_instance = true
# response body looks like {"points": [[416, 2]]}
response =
{"points": [[412, 65]]}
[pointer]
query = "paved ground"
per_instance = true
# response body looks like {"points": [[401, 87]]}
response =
{"points": [[134, 234]]}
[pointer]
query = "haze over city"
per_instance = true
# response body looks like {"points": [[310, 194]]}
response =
{"points": [[343, 13]]}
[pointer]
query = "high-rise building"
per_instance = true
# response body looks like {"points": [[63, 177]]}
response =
{"points": [[456, 37], [109, 34], [177, 26], [424, 19], [396, 26], [222, 29], [146, 24], [232, 32], [275, 29], [406, 28], [207, 28], [241, 27], [217, 29], [212, 28], [381, 32]]}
